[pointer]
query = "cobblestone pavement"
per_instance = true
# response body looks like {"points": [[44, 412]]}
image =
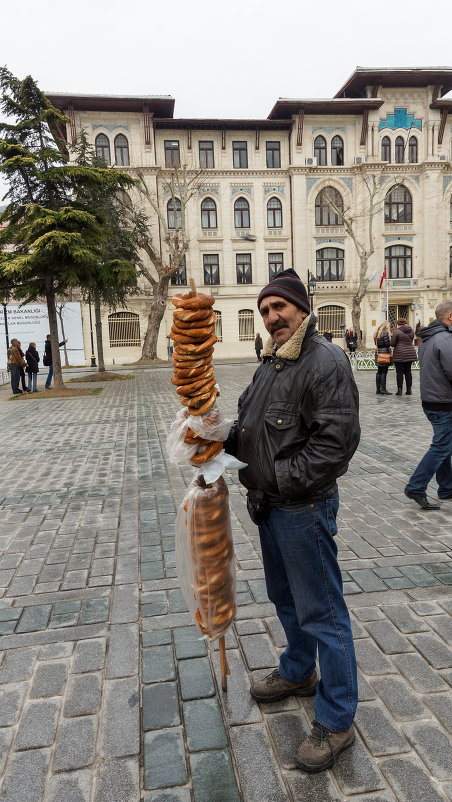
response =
{"points": [[107, 693]]}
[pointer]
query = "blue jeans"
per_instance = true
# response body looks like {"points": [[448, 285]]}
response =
{"points": [[437, 459], [49, 377], [32, 379], [304, 583]]}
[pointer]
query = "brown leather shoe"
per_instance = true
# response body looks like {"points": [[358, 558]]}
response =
{"points": [[274, 687], [320, 749]]}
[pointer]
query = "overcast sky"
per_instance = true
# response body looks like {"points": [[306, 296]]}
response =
{"points": [[218, 59]]}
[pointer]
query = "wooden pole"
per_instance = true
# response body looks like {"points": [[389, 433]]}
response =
{"points": [[193, 286], [223, 664]]}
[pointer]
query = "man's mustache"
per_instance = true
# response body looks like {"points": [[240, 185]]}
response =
{"points": [[277, 326]]}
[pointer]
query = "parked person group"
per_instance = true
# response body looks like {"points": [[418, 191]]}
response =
{"points": [[19, 364], [404, 354]]}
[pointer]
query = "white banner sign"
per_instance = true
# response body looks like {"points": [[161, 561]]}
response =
{"points": [[30, 323]]}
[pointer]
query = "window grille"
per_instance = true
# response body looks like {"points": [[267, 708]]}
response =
{"points": [[246, 324], [331, 317], [124, 329], [218, 326]]}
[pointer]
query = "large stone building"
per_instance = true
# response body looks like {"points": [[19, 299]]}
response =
{"points": [[271, 195]]}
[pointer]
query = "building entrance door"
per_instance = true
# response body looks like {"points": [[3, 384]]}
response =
{"points": [[396, 311]]}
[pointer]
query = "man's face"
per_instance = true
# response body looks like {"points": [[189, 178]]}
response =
{"points": [[281, 318]]}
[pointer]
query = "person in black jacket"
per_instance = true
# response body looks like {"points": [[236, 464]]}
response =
{"points": [[32, 359], [297, 429], [435, 356], [328, 334], [383, 346], [48, 361], [351, 338], [258, 346]]}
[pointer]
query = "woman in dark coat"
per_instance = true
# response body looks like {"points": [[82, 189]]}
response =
{"points": [[351, 338], [383, 345], [404, 354], [32, 359], [258, 346], [328, 334]]}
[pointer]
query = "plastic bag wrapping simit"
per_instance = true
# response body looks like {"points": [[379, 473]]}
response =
{"points": [[180, 453], [205, 556]]}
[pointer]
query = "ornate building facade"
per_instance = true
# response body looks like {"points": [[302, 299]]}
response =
{"points": [[272, 194]]}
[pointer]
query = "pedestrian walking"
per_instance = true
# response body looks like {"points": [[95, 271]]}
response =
{"points": [[32, 359], [15, 363], [328, 334], [403, 355], [351, 339], [258, 346], [297, 429], [47, 360], [382, 356], [435, 356]]}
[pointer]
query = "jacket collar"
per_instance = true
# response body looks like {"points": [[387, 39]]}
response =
{"points": [[291, 349]]}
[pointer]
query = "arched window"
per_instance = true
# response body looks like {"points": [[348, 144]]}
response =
{"points": [[246, 324], [124, 329], [103, 148], [122, 151], [398, 205], [241, 213], [331, 317], [208, 213], [398, 261], [171, 214], [320, 150], [385, 149], [274, 213], [330, 264], [399, 150], [412, 150], [337, 150], [326, 203], [218, 326]]}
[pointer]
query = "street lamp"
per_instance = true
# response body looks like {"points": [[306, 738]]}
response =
{"points": [[6, 323], [312, 285], [93, 358]]}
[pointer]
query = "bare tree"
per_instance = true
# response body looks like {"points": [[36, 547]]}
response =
{"points": [[165, 252]]}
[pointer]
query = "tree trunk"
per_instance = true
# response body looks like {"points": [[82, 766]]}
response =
{"points": [[155, 317], [359, 295], [60, 315], [58, 382], [99, 340]]}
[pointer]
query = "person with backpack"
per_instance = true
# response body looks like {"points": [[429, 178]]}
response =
{"points": [[32, 359], [47, 360]]}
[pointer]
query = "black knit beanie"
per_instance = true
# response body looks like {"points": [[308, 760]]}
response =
{"points": [[289, 286]]}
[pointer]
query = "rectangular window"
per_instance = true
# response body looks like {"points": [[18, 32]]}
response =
{"points": [[246, 324], [211, 268], [273, 154], [218, 326], [243, 267], [240, 154], [172, 154], [275, 265], [206, 159], [179, 278]]}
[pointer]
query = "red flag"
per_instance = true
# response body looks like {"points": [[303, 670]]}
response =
{"points": [[383, 277]]}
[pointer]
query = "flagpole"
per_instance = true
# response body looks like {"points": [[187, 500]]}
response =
{"points": [[387, 299]]}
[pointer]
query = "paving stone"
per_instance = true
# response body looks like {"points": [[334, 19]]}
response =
{"points": [[11, 614], [368, 613], [367, 580], [11, 699], [25, 776], [256, 765], [259, 590], [370, 659], [378, 731], [238, 705], [89, 655], [433, 649], [159, 637], [249, 627], [259, 651], [403, 618], [433, 746], [188, 642], [118, 781], [442, 624], [76, 744], [388, 638], [419, 575], [18, 665], [400, 700], [95, 611], [175, 795], [355, 772], [83, 695], [158, 664], [125, 604], [441, 704], [160, 706], [195, 678], [72, 787], [277, 633], [213, 777], [365, 692], [288, 730], [49, 680], [418, 672], [204, 725], [6, 736], [37, 726], [410, 781], [123, 650], [313, 787], [164, 759], [120, 718]]}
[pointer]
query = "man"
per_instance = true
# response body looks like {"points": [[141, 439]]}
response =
{"points": [[258, 346], [435, 356], [297, 430], [15, 363], [47, 360]]}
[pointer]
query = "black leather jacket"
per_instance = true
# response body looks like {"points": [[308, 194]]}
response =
{"points": [[298, 424]]}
